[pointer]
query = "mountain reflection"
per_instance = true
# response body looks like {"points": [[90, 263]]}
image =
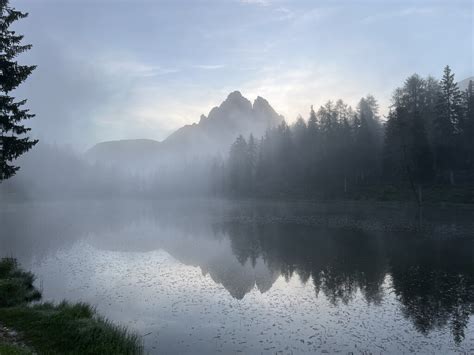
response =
{"points": [[248, 247], [339, 262]]}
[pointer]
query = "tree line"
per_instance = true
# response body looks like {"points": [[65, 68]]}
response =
{"points": [[426, 140]]}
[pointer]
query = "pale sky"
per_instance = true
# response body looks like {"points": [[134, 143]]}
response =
{"points": [[118, 69]]}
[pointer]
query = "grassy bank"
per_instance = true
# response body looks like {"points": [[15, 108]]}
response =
{"points": [[53, 329]]}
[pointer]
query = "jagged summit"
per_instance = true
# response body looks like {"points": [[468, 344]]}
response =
{"points": [[235, 95], [212, 135], [234, 105], [265, 111], [260, 101], [235, 115], [202, 119]]}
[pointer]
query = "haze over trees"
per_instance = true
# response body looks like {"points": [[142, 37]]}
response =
{"points": [[427, 139], [13, 141], [422, 148]]}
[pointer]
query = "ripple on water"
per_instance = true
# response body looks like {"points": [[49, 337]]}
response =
{"points": [[180, 308]]}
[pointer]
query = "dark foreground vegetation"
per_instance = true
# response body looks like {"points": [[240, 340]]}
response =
{"points": [[46, 328], [425, 146]]}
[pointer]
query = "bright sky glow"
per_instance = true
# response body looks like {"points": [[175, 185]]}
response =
{"points": [[140, 69]]}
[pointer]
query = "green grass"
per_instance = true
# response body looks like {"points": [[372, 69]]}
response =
{"points": [[16, 286], [11, 349], [69, 329], [64, 328]]}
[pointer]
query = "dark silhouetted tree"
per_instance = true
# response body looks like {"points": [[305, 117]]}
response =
{"points": [[368, 140], [468, 126], [446, 125], [239, 168], [429, 131], [13, 141], [252, 157], [407, 150]]}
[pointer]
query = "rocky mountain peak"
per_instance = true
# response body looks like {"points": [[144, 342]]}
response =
{"points": [[236, 100], [212, 135]]}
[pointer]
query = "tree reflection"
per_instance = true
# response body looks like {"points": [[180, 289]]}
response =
{"points": [[433, 280], [252, 246], [339, 262]]}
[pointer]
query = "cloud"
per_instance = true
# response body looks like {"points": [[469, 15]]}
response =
{"points": [[208, 66], [83, 98], [407, 12], [97, 80], [134, 68], [284, 14], [257, 2]]}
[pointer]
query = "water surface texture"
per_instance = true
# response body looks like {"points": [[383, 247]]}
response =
{"points": [[203, 276]]}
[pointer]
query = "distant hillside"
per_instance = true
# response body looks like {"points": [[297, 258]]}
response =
{"points": [[130, 152], [465, 83], [212, 135]]}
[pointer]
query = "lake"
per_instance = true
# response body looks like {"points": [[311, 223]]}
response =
{"points": [[202, 276]]}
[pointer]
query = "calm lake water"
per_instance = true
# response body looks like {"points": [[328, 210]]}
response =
{"points": [[205, 276]]}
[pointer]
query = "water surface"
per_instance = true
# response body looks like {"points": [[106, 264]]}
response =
{"points": [[202, 276]]}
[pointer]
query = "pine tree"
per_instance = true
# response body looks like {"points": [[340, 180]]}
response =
{"points": [[368, 139], [252, 156], [300, 138], [299, 129], [13, 141], [468, 129], [421, 157], [313, 147], [414, 93], [393, 145], [239, 166], [432, 92], [313, 120], [407, 151], [346, 147], [446, 125], [450, 100]]}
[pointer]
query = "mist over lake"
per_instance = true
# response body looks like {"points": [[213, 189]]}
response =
{"points": [[201, 276], [236, 177]]}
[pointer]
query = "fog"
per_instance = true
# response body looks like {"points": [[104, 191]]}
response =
{"points": [[244, 149], [163, 266], [98, 80], [241, 176]]}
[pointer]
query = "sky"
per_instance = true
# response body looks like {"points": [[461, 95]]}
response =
{"points": [[123, 69]]}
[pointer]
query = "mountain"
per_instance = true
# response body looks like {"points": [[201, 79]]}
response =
{"points": [[127, 150], [463, 84], [213, 135]]}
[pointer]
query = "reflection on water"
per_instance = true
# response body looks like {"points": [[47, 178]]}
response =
{"points": [[205, 276]]}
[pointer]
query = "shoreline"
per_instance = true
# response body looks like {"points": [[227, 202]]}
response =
{"points": [[29, 327]]}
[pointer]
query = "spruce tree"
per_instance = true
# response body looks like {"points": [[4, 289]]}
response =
{"points": [[420, 155], [13, 141], [448, 116], [252, 156], [314, 146], [450, 99], [239, 166], [468, 127], [368, 139]]}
